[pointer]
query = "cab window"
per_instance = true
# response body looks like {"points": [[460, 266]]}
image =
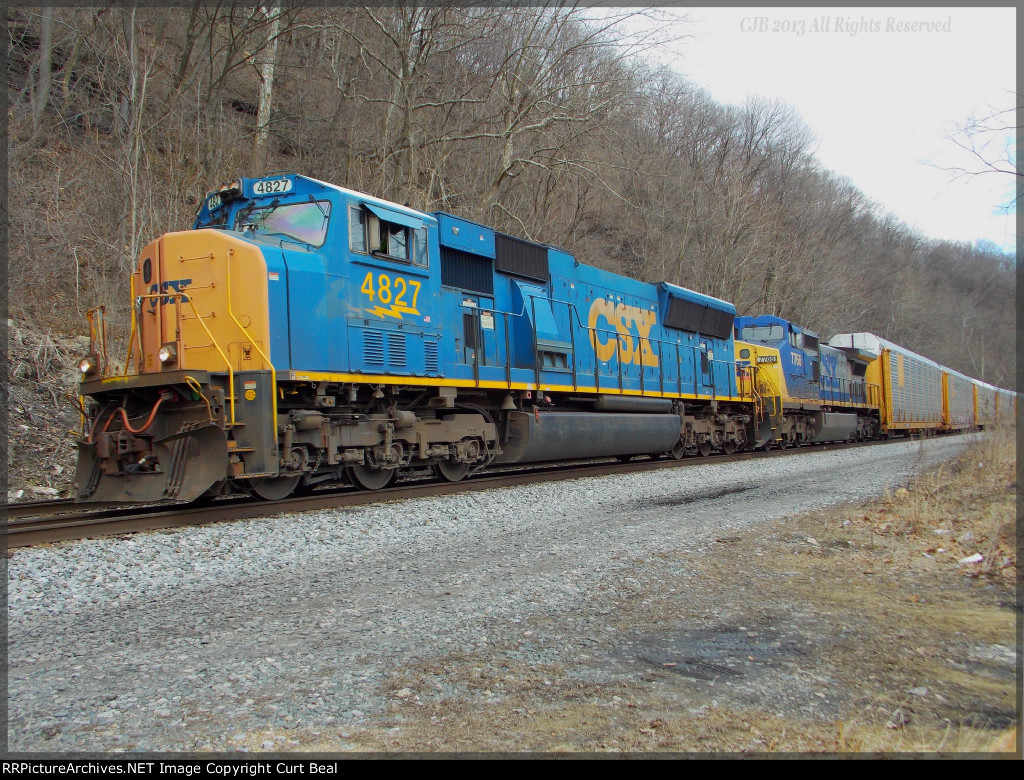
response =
{"points": [[305, 222], [368, 234], [762, 333], [357, 229]]}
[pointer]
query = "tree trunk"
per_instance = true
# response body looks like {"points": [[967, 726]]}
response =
{"points": [[42, 95], [266, 90]]}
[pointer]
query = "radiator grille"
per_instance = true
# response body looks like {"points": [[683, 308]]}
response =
{"points": [[522, 258], [466, 271]]}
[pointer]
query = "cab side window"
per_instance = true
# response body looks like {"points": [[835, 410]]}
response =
{"points": [[420, 256], [368, 234], [357, 229], [396, 241]]}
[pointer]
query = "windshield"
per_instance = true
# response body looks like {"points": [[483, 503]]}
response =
{"points": [[306, 222], [763, 333]]}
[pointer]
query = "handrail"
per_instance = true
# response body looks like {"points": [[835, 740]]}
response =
{"points": [[131, 335], [231, 313], [216, 346], [98, 337], [178, 296]]}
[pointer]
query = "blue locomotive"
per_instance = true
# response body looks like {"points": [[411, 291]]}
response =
{"points": [[304, 333], [820, 392]]}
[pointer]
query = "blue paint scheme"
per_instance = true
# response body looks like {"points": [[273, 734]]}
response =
{"points": [[817, 374], [465, 235], [337, 310]]}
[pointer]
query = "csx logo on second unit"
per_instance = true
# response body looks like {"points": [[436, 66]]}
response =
{"points": [[628, 323]]}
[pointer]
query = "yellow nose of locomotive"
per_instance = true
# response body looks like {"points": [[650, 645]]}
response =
{"points": [[201, 304], [759, 378], [200, 407]]}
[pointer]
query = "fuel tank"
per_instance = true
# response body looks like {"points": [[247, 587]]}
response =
{"points": [[833, 426], [545, 436]]}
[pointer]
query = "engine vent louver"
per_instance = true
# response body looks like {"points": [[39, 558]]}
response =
{"points": [[373, 347], [467, 271], [430, 361], [697, 317], [396, 350]]}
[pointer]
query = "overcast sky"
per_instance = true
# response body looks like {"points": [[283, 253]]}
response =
{"points": [[881, 100]]}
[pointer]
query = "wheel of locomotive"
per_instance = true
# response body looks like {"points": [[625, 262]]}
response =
{"points": [[679, 451], [730, 447], [369, 478], [451, 470], [741, 440], [273, 488], [784, 442], [704, 448]]}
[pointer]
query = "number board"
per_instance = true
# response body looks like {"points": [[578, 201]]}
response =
{"points": [[271, 186]]}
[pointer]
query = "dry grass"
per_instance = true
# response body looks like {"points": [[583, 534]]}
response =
{"points": [[42, 374], [963, 508]]}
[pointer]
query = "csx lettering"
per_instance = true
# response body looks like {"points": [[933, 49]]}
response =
{"points": [[177, 285], [625, 320]]}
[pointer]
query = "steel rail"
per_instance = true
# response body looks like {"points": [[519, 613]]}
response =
{"points": [[92, 521]]}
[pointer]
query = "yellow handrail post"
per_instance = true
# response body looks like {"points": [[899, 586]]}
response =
{"points": [[216, 346], [231, 313], [131, 335]]}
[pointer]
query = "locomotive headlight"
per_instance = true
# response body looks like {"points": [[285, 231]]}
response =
{"points": [[232, 191], [87, 365], [167, 354]]}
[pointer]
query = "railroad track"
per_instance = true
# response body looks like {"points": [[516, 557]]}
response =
{"points": [[57, 521]]}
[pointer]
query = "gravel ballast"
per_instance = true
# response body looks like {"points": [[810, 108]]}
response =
{"points": [[278, 633]]}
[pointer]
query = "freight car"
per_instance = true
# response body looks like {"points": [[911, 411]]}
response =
{"points": [[993, 405], [918, 395], [1006, 405], [304, 333]]}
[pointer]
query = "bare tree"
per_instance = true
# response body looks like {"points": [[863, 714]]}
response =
{"points": [[42, 93], [989, 140], [266, 71]]}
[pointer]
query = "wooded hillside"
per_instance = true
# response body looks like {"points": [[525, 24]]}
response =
{"points": [[532, 120]]}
